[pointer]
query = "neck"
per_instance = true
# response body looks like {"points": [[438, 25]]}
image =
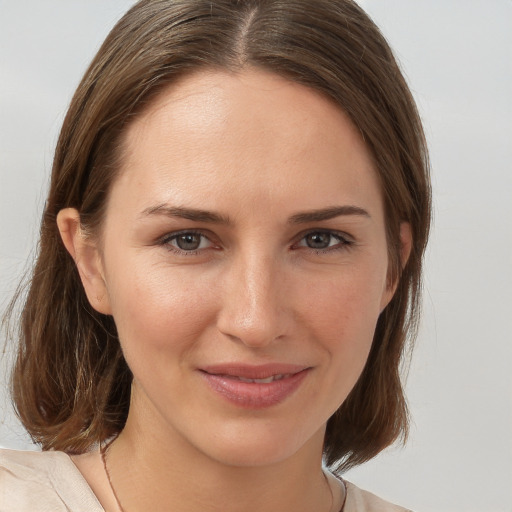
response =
{"points": [[150, 472]]}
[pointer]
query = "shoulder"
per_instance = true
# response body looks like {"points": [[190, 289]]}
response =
{"points": [[359, 500], [42, 481]]}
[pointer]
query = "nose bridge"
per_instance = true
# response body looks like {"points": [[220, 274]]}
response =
{"points": [[252, 308]]}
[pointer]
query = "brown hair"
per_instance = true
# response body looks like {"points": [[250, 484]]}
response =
{"points": [[71, 385]]}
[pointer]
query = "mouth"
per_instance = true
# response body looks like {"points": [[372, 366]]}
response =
{"points": [[255, 387], [264, 373], [268, 380]]}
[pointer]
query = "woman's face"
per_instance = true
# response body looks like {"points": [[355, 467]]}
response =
{"points": [[244, 261]]}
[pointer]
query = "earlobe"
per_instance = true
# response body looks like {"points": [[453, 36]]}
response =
{"points": [[86, 256]]}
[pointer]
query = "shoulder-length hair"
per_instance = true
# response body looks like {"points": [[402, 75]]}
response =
{"points": [[71, 384]]}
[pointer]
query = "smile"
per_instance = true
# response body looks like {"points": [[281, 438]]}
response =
{"points": [[267, 380], [255, 387]]}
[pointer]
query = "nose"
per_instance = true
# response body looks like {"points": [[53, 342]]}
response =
{"points": [[254, 308]]}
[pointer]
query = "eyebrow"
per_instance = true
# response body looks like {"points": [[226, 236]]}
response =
{"points": [[193, 214], [327, 213], [198, 215]]}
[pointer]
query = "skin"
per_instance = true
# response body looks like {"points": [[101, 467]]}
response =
{"points": [[256, 150]]}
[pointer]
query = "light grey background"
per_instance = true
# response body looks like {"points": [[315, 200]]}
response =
{"points": [[457, 55]]}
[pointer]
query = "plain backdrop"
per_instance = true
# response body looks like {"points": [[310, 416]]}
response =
{"points": [[457, 56]]}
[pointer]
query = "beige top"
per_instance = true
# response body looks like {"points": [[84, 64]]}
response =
{"points": [[50, 482]]}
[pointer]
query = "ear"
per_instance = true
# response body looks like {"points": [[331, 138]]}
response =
{"points": [[405, 243], [87, 258], [405, 252]]}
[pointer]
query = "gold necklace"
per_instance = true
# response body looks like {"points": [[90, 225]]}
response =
{"points": [[103, 453]]}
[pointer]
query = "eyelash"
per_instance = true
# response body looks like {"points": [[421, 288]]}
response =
{"points": [[345, 242], [166, 241]]}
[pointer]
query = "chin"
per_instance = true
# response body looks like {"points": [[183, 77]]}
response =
{"points": [[244, 456], [256, 447]]}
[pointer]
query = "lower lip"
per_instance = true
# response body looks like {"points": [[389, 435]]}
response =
{"points": [[254, 395]]}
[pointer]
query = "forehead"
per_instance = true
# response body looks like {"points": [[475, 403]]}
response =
{"points": [[253, 132]]}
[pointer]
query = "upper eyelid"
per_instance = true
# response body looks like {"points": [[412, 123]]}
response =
{"points": [[342, 235], [168, 239], [174, 234], [344, 241], [334, 232]]}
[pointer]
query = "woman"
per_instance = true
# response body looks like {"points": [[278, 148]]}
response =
{"points": [[229, 267]]}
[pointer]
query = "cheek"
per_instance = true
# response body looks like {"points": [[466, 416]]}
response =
{"points": [[158, 309], [346, 305], [342, 315]]}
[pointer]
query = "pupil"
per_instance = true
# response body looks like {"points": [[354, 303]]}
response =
{"points": [[188, 242], [318, 240]]}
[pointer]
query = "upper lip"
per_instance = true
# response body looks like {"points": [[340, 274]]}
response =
{"points": [[249, 371]]}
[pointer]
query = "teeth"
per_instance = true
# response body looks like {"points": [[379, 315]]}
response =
{"points": [[268, 380]]}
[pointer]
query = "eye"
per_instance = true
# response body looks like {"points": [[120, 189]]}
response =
{"points": [[187, 241], [324, 240], [319, 240]]}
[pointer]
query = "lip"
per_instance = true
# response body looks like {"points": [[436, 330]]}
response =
{"points": [[225, 380]]}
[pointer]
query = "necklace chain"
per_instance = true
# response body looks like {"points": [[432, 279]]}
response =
{"points": [[103, 453]]}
